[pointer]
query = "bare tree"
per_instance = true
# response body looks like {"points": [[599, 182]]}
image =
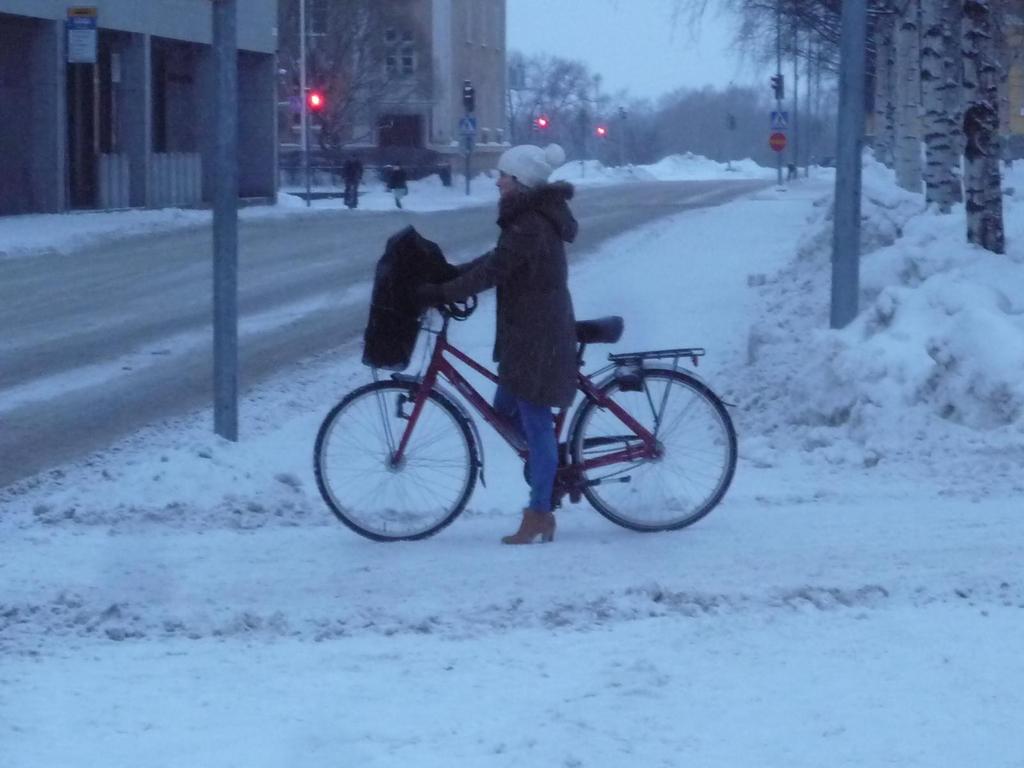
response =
{"points": [[883, 33], [360, 54], [563, 90], [940, 100], [907, 150], [982, 180]]}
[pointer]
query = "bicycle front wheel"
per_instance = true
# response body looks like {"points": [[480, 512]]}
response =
{"points": [[696, 452], [373, 494]]}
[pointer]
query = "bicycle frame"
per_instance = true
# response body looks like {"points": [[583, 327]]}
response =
{"points": [[440, 366]]}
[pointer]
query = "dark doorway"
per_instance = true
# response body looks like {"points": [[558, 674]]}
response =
{"points": [[83, 105], [400, 131]]}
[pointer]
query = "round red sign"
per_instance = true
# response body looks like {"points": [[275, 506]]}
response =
{"points": [[777, 141]]}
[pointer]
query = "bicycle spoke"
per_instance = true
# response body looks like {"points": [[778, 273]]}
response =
{"points": [[691, 471], [378, 496]]}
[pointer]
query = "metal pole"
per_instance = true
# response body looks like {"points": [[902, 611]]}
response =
{"points": [[304, 123], [778, 71], [846, 232], [796, 95], [622, 137], [225, 221]]}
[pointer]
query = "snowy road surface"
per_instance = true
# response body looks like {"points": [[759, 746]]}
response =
{"points": [[104, 340]]}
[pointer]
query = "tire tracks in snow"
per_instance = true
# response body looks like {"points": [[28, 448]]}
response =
{"points": [[27, 627]]}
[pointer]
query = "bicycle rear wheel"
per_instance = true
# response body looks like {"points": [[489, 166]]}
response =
{"points": [[372, 495], [697, 458]]}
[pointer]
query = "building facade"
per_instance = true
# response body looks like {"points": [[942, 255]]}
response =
{"points": [[469, 43], [110, 104], [395, 77]]}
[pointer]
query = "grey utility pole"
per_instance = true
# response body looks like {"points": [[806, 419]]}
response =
{"points": [[622, 136], [846, 231], [225, 221], [778, 73], [468, 125], [796, 96], [304, 114]]}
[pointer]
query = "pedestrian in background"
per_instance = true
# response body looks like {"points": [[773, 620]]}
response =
{"points": [[397, 183], [352, 173]]}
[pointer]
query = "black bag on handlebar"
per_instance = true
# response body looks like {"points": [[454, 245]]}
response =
{"points": [[409, 260]]}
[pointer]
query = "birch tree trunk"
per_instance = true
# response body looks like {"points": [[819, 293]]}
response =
{"points": [[908, 98], [940, 110], [885, 89], [982, 182], [953, 98]]}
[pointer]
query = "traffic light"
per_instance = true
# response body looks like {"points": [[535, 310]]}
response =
{"points": [[601, 131], [315, 101], [542, 122], [779, 86], [468, 96]]}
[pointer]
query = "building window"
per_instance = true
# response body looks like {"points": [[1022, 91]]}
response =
{"points": [[391, 65], [319, 18], [390, 36], [408, 60]]}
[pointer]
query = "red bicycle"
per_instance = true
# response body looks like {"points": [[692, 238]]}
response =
{"points": [[650, 446]]}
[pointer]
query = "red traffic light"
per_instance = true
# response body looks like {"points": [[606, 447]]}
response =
{"points": [[601, 131], [542, 122], [315, 100]]}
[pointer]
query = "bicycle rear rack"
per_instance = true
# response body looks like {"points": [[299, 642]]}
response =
{"points": [[658, 354]]}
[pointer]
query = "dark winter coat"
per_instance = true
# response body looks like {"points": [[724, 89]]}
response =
{"points": [[409, 260], [535, 342], [397, 179], [352, 171]]}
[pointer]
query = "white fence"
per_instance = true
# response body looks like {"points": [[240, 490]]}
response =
{"points": [[174, 179], [114, 181]]}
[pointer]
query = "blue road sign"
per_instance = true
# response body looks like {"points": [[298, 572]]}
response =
{"points": [[780, 120], [467, 126], [81, 35]]}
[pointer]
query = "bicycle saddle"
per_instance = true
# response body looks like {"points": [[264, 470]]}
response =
{"points": [[603, 330]]}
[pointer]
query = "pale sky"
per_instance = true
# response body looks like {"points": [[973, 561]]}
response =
{"points": [[632, 43]]}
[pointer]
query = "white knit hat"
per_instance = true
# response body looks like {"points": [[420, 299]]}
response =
{"points": [[530, 164]]}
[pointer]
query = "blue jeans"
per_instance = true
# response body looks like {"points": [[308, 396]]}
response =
{"points": [[537, 427]]}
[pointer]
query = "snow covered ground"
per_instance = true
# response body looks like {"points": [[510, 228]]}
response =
{"points": [[856, 600]]}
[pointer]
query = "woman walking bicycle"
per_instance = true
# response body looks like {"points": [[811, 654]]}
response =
{"points": [[650, 446], [535, 340]]}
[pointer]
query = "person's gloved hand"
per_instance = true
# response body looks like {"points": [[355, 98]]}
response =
{"points": [[429, 295]]}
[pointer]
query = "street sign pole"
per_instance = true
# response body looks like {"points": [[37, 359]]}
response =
{"points": [[778, 71], [468, 139], [225, 221], [850, 134], [304, 121], [467, 127]]}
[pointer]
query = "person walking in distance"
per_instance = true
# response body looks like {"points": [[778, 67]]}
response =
{"points": [[397, 184], [352, 173], [535, 343]]}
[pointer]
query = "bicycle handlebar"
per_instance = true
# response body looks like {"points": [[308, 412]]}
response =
{"points": [[458, 310]]}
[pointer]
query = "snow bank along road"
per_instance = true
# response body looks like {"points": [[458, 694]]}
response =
{"points": [[108, 338]]}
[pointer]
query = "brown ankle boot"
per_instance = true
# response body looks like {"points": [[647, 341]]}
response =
{"points": [[534, 524]]}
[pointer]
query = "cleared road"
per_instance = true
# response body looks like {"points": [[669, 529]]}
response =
{"points": [[101, 342]]}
